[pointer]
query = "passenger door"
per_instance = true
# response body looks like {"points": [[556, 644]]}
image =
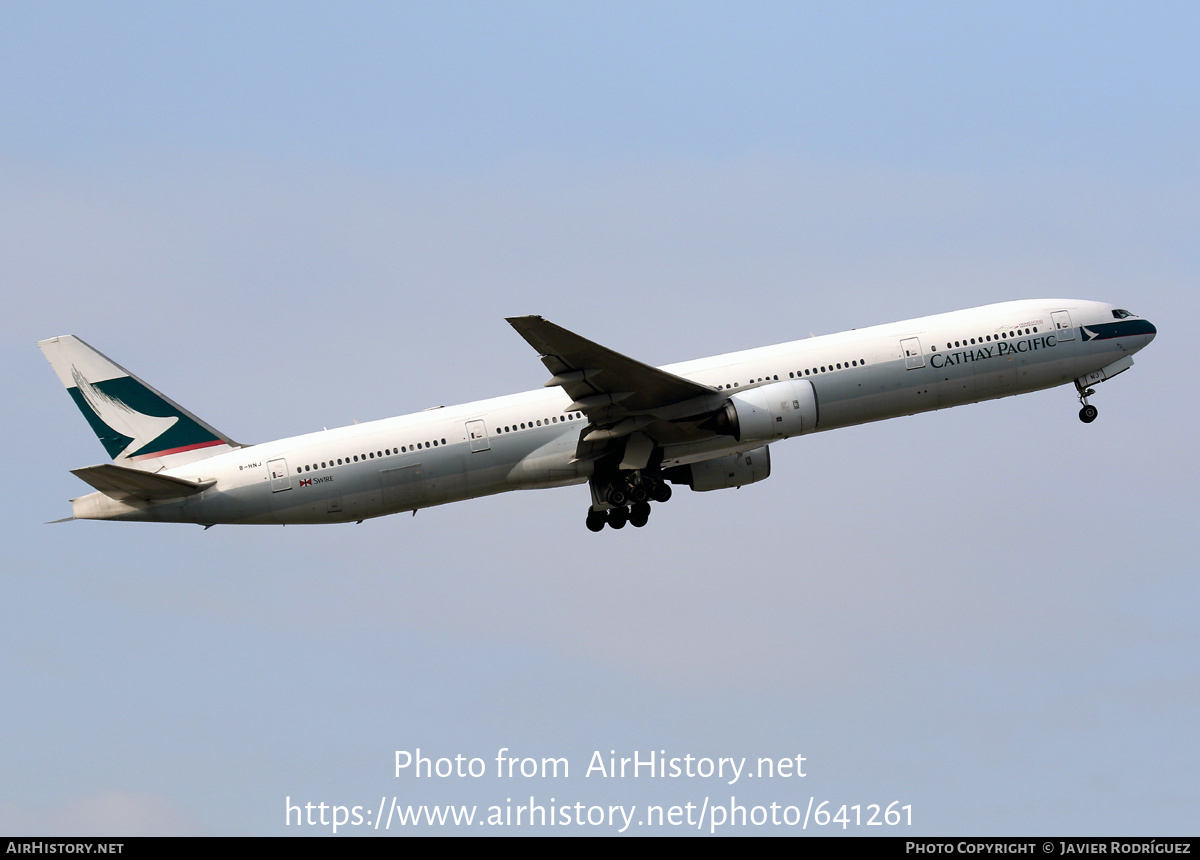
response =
{"points": [[280, 479], [913, 357], [477, 433]]}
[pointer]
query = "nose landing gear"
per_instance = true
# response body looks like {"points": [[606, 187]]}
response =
{"points": [[1088, 413]]}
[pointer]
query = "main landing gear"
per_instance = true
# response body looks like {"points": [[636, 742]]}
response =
{"points": [[1088, 413], [617, 495]]}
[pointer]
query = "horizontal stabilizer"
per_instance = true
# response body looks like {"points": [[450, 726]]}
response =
{"points": [[119, 482]]}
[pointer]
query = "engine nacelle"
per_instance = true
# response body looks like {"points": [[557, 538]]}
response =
{"points": [[769, 412], [721, 473]]}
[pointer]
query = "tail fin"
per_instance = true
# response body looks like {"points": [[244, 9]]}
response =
{"points": [[137, 425]]}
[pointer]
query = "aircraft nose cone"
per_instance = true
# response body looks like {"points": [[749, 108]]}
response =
{"points": [[1151, 331]]}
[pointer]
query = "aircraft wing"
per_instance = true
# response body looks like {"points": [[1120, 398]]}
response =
{"points": [[620, 396]]}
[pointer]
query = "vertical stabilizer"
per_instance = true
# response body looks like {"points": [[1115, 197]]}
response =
{"points": [[137, 425]]}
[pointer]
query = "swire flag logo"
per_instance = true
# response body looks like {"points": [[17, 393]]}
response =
{"points": [[306, 482]]}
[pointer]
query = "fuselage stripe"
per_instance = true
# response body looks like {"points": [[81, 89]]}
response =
{"points": [[152, 454]]}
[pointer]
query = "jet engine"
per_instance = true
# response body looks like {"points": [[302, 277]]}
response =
{"points": [[720, 473], [775, 411]]}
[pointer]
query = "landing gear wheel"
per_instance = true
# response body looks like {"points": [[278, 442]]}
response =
{"points": [[1088, 413], [616, 496], [596, 520], [661, 492], [639, 514], [617, 518]]}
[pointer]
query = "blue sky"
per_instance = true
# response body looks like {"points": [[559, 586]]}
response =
{"points": [[289, 216]]}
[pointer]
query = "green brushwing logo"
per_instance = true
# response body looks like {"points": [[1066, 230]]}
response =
{"points": [[134, 422]]}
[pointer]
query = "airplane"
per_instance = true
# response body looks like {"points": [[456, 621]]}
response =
{"points": [[627, 429]]}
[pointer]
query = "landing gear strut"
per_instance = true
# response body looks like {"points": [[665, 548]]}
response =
{"points": [[1088, 413]]}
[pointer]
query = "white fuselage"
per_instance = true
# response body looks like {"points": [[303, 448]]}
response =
{"points": [[528, 440]]}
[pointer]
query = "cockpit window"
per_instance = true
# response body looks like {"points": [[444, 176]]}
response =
{"points": [[1120, 314]]}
